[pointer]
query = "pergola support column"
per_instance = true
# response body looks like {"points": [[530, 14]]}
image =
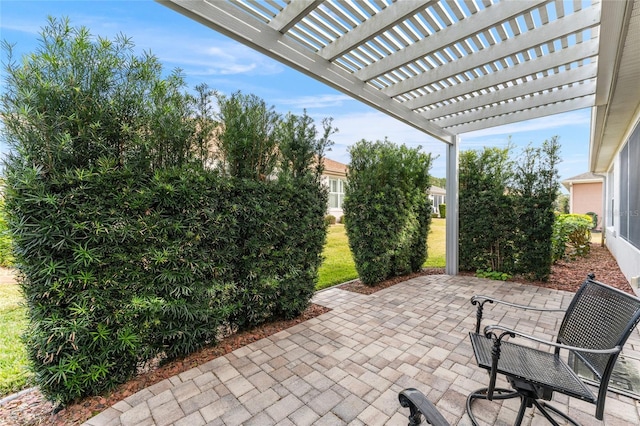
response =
{"points": [[451, 257]]}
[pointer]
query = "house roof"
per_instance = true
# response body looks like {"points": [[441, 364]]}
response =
{"points": [[444, 67], [334, 167], [588, 177], [436, 190]]}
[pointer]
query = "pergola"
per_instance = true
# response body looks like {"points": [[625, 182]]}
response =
{"points": [[448, 67]]}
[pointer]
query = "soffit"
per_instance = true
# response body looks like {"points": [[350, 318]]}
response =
{"points": [[443, 67], [614, 114]]}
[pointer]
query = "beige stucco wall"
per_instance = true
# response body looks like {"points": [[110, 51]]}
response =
{"points": [[587, 197]]}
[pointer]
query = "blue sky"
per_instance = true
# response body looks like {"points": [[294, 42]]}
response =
{"points": [[208, 57]]}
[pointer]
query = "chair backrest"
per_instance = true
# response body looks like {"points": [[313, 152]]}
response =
{"points": [[599, 317]]}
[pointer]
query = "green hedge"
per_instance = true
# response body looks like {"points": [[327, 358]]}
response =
{"points": [[130, 246], [387, 212], [119, 268]]}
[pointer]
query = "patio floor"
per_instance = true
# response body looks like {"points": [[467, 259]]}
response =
{"points": [[347, 366]]}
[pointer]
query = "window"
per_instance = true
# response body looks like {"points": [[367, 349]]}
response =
{"points": [[630, 189], [336, 193]]}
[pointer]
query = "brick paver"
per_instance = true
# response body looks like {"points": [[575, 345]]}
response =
{"points": [[347, 366]]}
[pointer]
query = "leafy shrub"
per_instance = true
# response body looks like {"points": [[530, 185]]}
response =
{"points": [[128, 248], [442, 208], [386, 210], [571, 236], [492, 275], [330, 219]]}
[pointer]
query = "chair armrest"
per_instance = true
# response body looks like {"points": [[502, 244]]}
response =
{"points": [[497, 332], [489, 330], [419, 404], [479, 301]]}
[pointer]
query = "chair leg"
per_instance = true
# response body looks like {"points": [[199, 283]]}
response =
{"points": [[525, 402], [498, 394], [543, 407]]}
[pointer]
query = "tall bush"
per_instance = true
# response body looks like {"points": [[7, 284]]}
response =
{"points": [[535, 186], [129, 248], [386, 209], [506, 210], [487, 218]]}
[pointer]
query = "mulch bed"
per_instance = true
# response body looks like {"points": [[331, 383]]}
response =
{"points": [[30, 408], [565, 275]]}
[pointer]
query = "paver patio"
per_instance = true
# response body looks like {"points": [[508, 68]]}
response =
{"points": [[347, 366]]}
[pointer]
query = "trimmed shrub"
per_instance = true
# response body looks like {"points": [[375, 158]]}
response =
{"points": [[387, 212], [442, 208], [330, 219], [571, 236]]}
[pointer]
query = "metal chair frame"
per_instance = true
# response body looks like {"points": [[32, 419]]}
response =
{"points": [[594, 329]]}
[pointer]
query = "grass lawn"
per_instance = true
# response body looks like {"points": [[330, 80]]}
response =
{"points": [[436, 244], [14, 374], [338, 265]]}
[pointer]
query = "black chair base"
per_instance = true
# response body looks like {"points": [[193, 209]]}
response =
{"points": [[525, 402]]}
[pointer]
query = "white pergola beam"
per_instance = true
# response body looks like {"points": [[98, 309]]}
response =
{"points": [[452, 219], [378, 23], [562, 27], [561, 57], [517, 90], [543, 111], [481, 21], [226, 19], [525, 104], [292, 14]]}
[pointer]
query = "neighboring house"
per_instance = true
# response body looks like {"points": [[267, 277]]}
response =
{"points": [[335, 177], [437, 196], [585, 194]]}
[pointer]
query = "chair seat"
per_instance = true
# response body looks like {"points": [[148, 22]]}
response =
{"points": [[539, 368]]}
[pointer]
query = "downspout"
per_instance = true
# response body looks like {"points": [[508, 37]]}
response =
{"points": [[605, 213]]}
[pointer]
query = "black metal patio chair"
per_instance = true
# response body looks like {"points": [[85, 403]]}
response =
{"points": [[594, 329]]}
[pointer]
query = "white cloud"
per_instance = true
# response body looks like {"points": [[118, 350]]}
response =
{"points": [[315, 102]]}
